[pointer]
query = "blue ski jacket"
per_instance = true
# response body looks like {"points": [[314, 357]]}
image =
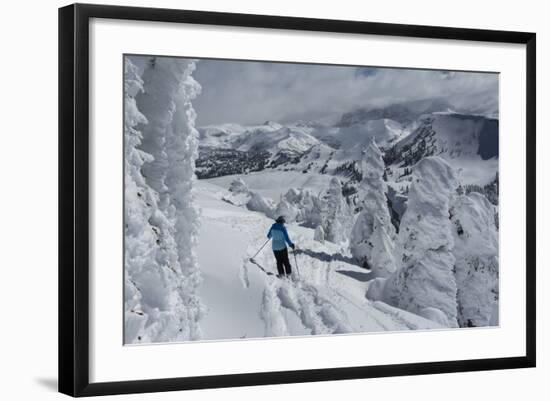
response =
{"points": [[279, 236]]}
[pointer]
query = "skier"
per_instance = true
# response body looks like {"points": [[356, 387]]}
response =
{"points": [[279, 238]]}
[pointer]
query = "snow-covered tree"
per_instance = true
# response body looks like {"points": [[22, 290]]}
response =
{"points": [[372, 236], [239, 193], [319, 234], [182, 151], [476, 252], [258, 203], [302, 206], [161, 279], [310, 207], [238, 186], [337, 218], [286, 209], [425, 278], [294, 195], [140, 236]]}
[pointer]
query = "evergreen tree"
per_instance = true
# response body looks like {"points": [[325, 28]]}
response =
{"points": [[140, 236], [336, 215], [477, 265], [286, 209], [166, 279], [319, 234], [372, 236], [425, 280]]}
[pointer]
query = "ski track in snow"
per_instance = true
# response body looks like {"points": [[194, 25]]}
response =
{"points": [[317, 312], [316, 299]]}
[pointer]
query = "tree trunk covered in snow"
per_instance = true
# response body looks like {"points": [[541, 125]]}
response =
{"points": [[425, 280], [477, 264], [140, 199], [372, 236], [161, 228]]}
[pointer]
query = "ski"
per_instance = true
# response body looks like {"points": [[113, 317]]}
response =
{"points": [[251, 260]]}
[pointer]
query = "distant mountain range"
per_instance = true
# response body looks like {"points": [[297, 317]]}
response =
{"points": [[406, 132]]}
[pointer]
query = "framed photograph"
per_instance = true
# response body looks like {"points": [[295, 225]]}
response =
{"points": [[251, 199]]}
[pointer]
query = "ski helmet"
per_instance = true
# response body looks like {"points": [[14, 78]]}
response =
{"points": [[281, 220]]}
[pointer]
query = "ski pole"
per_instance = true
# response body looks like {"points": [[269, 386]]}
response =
{"points": [[265, 243], [296, 263]]}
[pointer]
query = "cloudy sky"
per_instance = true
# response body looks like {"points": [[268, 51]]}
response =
{"points": [[252, 92]]}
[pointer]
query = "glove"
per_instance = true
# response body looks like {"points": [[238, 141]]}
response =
{"points": [[293, 246]]}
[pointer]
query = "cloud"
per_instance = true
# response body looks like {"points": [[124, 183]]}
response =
{"points": [[252, 92]]}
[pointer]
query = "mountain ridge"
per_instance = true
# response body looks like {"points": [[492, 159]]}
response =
{"points": [[468, 141]]}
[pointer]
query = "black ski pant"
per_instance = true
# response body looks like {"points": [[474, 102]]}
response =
{"points": [[282, 260]]}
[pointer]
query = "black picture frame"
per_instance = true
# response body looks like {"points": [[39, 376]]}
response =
{"points": [[74, 198]]}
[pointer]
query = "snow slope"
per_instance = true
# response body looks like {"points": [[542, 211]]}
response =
{"points": [[274, 138], [327, 294], [273, 183], [469, 143], [270, 137], [220, 136]]}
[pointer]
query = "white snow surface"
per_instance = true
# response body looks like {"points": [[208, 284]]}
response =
{"points": [[325, 295], [220, 136], [270, 136], [274, 184], [293, 139]]}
